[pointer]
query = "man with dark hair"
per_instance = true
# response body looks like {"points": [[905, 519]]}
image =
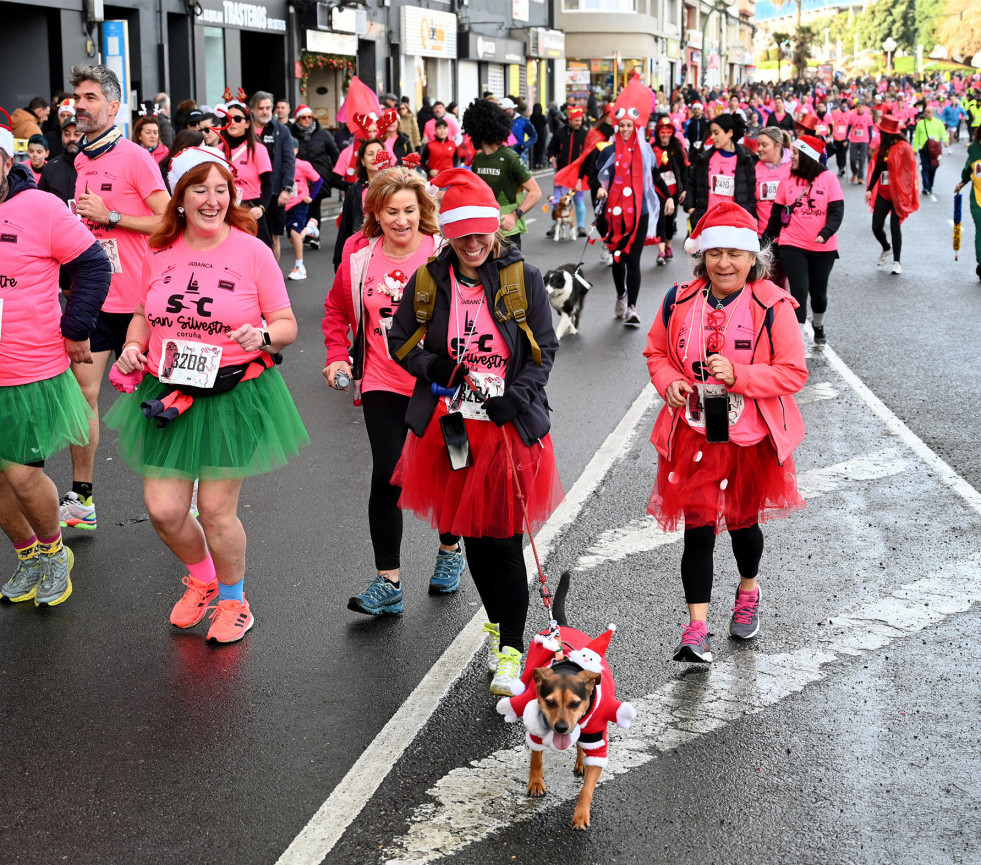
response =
{"points": [[278, 140], [59, 174], [25, 122], [566, 146], [439, 154]]}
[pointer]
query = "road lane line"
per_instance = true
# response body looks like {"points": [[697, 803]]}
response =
{"points": [[474, 801], [811, 393], [354, 791]]}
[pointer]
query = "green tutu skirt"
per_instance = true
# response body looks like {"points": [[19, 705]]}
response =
{"points": [[41, 418], [246, 431]]}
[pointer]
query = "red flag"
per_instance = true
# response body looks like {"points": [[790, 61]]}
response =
{"points": [[360, 99], [569, 176]]}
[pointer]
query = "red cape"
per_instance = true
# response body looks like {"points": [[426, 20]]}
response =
{"points": [[569, 176], [903, 181]]}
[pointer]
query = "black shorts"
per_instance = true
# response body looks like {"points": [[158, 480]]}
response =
{"points": [[109, 332], [276, 219]]}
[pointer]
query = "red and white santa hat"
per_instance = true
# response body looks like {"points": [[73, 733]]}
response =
{"points": [[66, 106], [725, 226], [302, 111], [811, 146], [591, 656], [468, 205], [193, 157]]}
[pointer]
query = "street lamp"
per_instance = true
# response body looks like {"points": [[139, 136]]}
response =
{"points": [[889, 46]]}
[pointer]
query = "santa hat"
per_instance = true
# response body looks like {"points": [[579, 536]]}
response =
{"points": [[302, 111], [890, 125], [725, 226], [6, 136], [574, 111], [468, 205], [591, 656], [192, 157], [695, 105], [811, 146], [66, 106]]}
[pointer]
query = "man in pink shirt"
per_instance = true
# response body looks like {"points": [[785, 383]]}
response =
{"points": [[859, 136], [439, 112], [119, 196]]}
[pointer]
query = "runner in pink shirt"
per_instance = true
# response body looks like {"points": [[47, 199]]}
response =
{"points": [[860, 125], [306, 185], [119, 195], [203, 396], [42, 408]]}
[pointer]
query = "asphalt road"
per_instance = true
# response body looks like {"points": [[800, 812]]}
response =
{"points": [[844, 733]]}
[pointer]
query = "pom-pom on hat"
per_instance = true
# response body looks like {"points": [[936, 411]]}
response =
{"points": [[191, 158], [302, 111], [468, 205], [725, 226], [890, 125], [811, 146]]}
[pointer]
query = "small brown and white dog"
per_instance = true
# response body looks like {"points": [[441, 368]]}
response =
{"points": [[567, 288], [564, 217], [568, 699]]}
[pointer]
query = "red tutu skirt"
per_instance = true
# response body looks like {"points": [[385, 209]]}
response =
{"points": [[480, 501], [733, 486]]}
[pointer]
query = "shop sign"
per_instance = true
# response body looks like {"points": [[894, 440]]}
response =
{"points": [[475, 46], [520, 10], [323, 42], [600, 66], [695, 39], [543, 42], [672, 49], [427, 33], [270, 17]]}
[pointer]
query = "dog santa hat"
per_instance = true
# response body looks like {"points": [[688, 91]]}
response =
{"points": [[725, 226], [468, 205]]}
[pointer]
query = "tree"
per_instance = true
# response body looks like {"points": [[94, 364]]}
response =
{"points": [[929, 17], [781, 40], [959, 29], [895, 18], [803, 45]]}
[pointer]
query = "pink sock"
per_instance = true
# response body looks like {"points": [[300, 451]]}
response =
{"points": [[204, 572], [49, 541], [25, 545]]}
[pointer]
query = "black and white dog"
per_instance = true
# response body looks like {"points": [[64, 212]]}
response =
{"points": [[567, 287]]}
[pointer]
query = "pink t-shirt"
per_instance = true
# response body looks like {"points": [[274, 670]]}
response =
{"points": [[383, 286], [304, 175], [37, 234], [811, 214], [203, 296], [861, 124], [840, 121], [768, 180], [125, 177], [248, 168], [722, 178]]}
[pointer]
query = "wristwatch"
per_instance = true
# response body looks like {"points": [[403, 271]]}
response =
{"points": [[266, 341], [114, 218]]}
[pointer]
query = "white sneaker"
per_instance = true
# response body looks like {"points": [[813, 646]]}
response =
{"points": [[606, 257], [299, 271], [897, 268], [507, 678], [631, 318], [884, 257], [311, 230], [620, 307], [933, 197]]}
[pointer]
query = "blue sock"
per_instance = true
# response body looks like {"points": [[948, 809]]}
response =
{"points": [[233, 592]]}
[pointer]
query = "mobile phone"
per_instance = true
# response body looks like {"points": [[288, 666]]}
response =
{"points": [[455, 438], [716, 417]]}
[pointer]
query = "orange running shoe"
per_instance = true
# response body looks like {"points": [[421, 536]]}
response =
{"points": [[230, 620], [190, 609]]}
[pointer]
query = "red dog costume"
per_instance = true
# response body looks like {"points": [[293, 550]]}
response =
{"points": [[590, 733]]}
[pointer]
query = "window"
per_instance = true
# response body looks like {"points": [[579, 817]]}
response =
{"points": [[625, 6], [214, 65]]}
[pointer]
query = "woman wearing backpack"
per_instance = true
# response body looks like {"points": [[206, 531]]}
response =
{"points": [[471, 339]]}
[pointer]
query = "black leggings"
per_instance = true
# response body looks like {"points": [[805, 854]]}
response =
{"points": [[628, 267], [666, 225], [880, 209], [841, 154], [808, 273], [384, 419], [696, 560], [497, 566]]}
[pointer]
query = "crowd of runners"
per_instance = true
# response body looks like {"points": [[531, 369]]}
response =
{"points": [[153, 262]]}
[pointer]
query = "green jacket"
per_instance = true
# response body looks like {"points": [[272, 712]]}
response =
{"points": [[972, 170], [925, 129]]}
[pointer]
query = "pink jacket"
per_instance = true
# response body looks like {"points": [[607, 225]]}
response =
{"points": [[778, 369]]}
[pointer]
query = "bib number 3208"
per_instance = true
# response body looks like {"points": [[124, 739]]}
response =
{"points": [[185, 362]]}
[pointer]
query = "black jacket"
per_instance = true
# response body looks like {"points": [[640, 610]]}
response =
{"points": [[278, 141], [698, 183], [567, 144], [676, 164], [317, 147], [524, 381], [787, 122], [58, 177], [352, 216]]}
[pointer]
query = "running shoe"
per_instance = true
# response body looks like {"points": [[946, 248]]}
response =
{"points": [[446, 576], [933, 197], [606, 257], [660, 259], [75, 515], [379, 596], [507, 675], [897, 268], [819, 337], [745, 621], [22, 586], [230, 621], [55, 584], [694, 646], [311, 230], [854, 178], [493, 645], [620, 307], [884, 257], [191, 608], [668, 253], [631, 319], [299, 271], [314, 243]]}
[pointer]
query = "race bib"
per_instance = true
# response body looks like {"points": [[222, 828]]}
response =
{"points": [[471, 404], [884, 178], [187, 362], [723, 184], [768, 190], [695, 406], [669, 178], [842, 129], [111, 248]]}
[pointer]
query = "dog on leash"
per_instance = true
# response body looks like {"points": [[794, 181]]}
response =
{"points": [[564, 217], [567, 288], [569, 699]]}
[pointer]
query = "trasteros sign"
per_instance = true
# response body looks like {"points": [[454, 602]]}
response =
{"points": [[426, 33], [245, 16]]}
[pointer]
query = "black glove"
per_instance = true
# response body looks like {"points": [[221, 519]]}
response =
{"points": [[441, 371], [501, 409]]}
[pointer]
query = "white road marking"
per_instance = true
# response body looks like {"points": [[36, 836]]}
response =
{"points": [[815, 393], [347, 800], [869, 467], [637, 536], [473, 802]]}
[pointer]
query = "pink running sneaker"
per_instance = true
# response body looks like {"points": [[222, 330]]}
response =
{"points": [[694, 646], [745, 621], [190, 609], [230, 620]]}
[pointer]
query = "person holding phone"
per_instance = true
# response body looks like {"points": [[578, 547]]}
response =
{"points": [[726, 355], [483, 431]]}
